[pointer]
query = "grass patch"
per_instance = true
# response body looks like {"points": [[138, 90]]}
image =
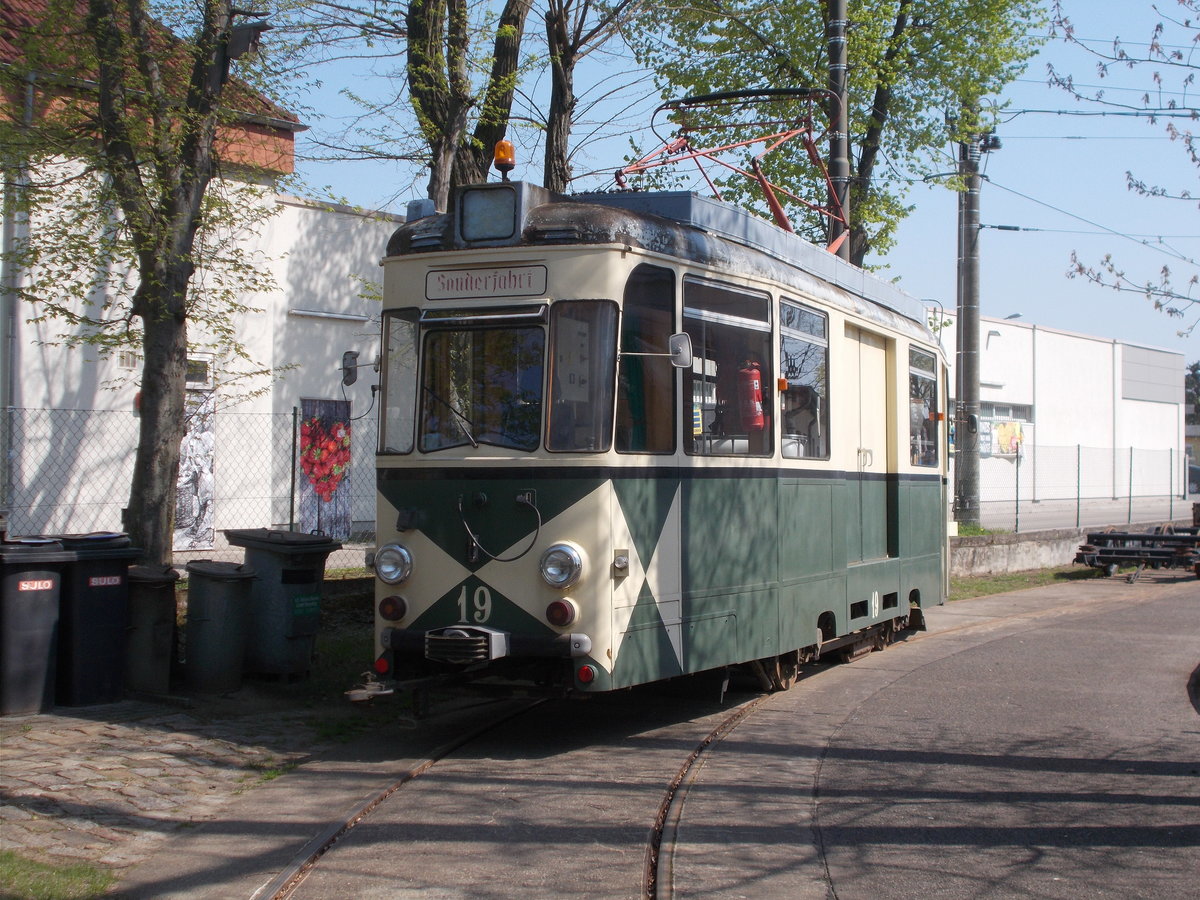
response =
{"points": [[983, 585], [967, 530], [25, 879]]}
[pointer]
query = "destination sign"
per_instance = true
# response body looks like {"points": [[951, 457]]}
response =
{"points": [[498, 281]]}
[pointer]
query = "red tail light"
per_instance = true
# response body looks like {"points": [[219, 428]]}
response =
{"points": [[562, 612], [586, 674], [382, 666], [393, 608]]}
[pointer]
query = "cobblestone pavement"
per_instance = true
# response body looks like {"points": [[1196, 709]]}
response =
{"points": [[107, 784]]}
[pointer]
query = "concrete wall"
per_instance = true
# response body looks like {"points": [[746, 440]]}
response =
{"points": [[994, 554]]}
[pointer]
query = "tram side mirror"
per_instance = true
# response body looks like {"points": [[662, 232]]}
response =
{"points": [[349, 367], [680, 346]]}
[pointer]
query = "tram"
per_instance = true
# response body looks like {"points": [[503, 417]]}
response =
{"points": [[631, 436]]}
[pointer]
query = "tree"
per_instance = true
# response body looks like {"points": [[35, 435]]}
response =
{"points": [[574, 28], [120, 138], [461, 66], [912, 66], [1166, 63]]}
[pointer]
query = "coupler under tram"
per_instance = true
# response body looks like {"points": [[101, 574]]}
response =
{"points": [[772, 675]]}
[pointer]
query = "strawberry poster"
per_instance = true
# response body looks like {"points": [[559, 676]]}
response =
{"points": [[325, 467]]}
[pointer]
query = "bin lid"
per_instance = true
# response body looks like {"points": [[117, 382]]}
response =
{"points": [[220, 571], [153, 574], [23, 551], [95, 540], [278, 539]]}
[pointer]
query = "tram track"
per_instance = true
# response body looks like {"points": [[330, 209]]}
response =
{"points": [[505, 768], [285, 883]]}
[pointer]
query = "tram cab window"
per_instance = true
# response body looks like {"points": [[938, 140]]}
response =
{"points": [[804, 365], [583, 346], [645, 384], [729, 385], [923, 408], [399, 382], [482, 386]]}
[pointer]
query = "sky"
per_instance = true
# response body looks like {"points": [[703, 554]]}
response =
{"points": [[1058, 176]]}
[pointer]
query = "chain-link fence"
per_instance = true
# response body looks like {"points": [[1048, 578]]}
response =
{"points": [[69, 471], [1080, 487]]}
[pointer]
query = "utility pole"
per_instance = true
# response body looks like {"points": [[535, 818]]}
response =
{"points": [[839, 135], [966, 428]]}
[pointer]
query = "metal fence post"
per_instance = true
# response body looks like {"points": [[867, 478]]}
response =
{"points": [[292, 492], [1079, 483], [1017, 494], [1171, 483], [1129, 519]]}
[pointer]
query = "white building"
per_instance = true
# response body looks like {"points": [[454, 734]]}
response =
{"points": [[1065, 416]]}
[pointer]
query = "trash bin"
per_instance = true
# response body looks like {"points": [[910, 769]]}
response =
{"points": [[31, 572], [285, 608], [151, 629], [218, 608], [93, 620]]}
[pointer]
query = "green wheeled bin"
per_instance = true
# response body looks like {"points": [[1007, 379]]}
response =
{"points": [[151, 629], [218, 608], [31, 574], [94, 618], [285, 608]]}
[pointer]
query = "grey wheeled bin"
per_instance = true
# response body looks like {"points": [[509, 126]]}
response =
{"points": [[217, 611], [94, 618], [285, 608], [151, 629], [31, 573]]}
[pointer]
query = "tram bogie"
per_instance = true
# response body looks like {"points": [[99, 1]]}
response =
{"points": [[626, 438]]}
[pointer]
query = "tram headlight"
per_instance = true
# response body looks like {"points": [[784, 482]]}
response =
{"points": [[393, 563], [561, 566]]}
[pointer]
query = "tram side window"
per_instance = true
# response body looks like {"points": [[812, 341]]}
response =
{"points": [[923, 408], [729, 385], [804, 365], [645, 384], [583, 347], [399, 381]]}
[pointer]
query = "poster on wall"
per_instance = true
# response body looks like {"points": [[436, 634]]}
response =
{"points": [[325, 468], [195, 490]]}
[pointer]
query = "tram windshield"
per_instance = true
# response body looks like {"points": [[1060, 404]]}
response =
{"points": [[482, 386], [503, 381]]}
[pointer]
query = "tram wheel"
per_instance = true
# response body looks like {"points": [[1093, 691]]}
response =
{"points": [[783, 671]]}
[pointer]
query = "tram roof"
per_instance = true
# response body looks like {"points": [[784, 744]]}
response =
{"points": [[744, 227], [680, 223]]}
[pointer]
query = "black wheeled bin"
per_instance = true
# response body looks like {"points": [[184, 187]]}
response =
{"points": [[151, 629], [218, 609], [285, 608], [94, 618], [31, 572]]}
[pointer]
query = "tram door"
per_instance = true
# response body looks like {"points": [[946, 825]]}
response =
{"points": [[869, 515]]}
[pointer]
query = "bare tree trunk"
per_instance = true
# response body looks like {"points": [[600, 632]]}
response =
{"points": [[150, 516], [556, 171], [474, 158]]}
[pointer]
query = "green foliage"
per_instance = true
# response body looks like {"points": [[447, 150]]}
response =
{"points": [[913, 66]]}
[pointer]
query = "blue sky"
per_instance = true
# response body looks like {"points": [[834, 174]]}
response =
{"points": [[1063, 175]]}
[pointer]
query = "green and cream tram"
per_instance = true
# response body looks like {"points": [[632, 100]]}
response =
{"points": [[627, 437]]}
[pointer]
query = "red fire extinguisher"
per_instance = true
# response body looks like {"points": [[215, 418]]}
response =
{"points": [[750, 397]]}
